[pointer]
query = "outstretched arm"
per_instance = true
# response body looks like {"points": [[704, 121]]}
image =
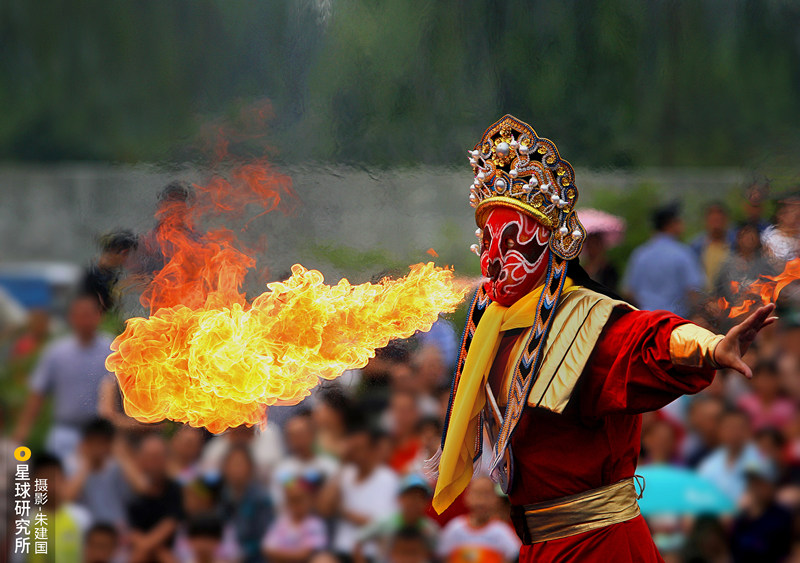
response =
{"points": [[647, 359]]}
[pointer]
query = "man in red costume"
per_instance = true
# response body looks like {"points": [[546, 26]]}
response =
{"points": [[556, 370]]}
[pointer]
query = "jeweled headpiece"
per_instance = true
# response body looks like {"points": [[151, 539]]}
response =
{"points": [[516, 168]]}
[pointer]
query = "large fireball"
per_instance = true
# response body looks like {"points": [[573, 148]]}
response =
{"points": [[220, 367]]}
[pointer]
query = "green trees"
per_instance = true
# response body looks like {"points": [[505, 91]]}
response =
{"points": [[618, 82]]}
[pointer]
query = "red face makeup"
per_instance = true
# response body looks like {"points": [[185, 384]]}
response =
{"points": [[514, 254]]}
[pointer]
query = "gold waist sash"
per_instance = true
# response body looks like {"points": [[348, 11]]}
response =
{"points": [[575, 514]]}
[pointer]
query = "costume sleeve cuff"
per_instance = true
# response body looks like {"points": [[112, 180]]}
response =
{"points": [[693, 346]]}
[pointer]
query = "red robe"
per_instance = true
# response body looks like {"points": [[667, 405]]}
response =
{"points": [[596, 440]]}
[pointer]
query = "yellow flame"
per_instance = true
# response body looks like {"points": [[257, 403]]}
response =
{"points": [[220, 367]]}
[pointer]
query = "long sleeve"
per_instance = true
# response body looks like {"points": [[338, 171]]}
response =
{"points": [[631, 369]]}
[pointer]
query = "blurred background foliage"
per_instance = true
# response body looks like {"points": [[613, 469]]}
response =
{"points": [[619, 83]]}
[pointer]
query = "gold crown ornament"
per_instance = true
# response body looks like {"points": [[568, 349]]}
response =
{"points": [[516, 168]]}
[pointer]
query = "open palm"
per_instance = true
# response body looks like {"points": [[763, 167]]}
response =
{"points": [[731, 349]]}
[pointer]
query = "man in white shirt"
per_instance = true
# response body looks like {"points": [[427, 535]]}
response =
{"points": [[70, 371], [364, 492]]}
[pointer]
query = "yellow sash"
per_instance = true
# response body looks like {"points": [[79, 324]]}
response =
{"points": [[455, 465]]}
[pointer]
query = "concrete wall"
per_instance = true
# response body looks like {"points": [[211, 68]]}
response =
{"points": [[55, 212]]}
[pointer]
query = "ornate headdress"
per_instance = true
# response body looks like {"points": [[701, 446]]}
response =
{"points": [[516, 168]]}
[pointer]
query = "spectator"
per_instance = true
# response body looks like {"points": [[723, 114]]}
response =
{"points": [[331, 416], [753, 204], [707, 542], [771, 443], [594, 260], [102, 276], [101, 544], [297, 533], [363, 492], [659, 443], [31, 341], [98, 482], [173, 213], [302, 461], [726, 465], [205, 537], [713, 246], [413, 499], [70, 370], [409, 545], [764, 404], [155, 508], [186, 447], [429, 371], [67, 522], [744, 265], [429, 430], [245, 502], [664, 273], [705, 413], [763, 529], [781, 240], [263, 444], [201, 500], [445, 340], [479, 536], [404, 418]]}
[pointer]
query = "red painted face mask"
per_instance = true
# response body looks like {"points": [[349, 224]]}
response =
{"points": [[514, 255]]}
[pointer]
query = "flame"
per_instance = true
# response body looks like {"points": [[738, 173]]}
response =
{"points": [[208, 357], [765, 290], [220, 367]]}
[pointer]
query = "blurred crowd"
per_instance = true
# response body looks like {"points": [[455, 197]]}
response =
{"points": [[341, 476]]}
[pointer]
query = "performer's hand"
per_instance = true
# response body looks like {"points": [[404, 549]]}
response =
{"points": [[729, 351]]}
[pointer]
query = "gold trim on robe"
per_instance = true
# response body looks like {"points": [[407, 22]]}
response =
{"points": [[579, 320], [693, 346]]}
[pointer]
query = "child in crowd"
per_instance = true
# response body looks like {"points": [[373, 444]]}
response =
{"points": [[479, 535], [297, 533], [201, 501], [205, 537], [302, 461], [409, 545], [101, 544], [413, 499]]}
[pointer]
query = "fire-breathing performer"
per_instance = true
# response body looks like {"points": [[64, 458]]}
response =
{"points": [[556, 369]]}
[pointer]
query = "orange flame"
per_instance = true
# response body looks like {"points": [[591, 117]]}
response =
{"points": [[765, 290], [208, 357], [219, 367]]}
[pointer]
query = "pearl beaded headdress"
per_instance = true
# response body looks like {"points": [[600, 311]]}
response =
{"points": [[515, 168]]}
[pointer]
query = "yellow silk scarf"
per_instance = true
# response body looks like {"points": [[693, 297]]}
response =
{"points": [[455, 464]]}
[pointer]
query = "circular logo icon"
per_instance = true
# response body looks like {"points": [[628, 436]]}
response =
{"points": [[22, 453]]}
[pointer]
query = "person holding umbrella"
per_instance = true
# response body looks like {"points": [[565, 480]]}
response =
{"points": [[603, 232]]}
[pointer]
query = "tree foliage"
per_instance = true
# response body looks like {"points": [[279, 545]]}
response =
{"points": [[618, 82]]}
